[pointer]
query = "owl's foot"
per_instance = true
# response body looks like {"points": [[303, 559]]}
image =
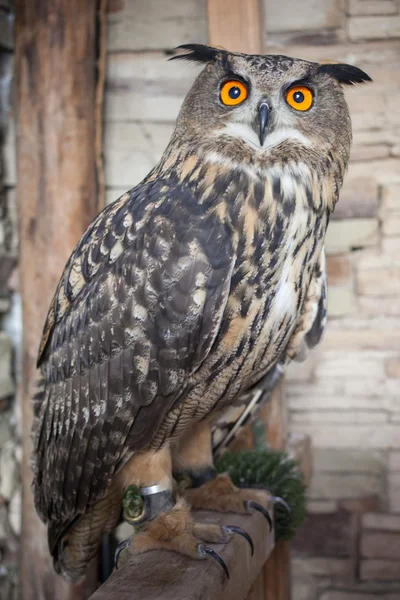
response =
{"points": [[175, 530], [222, 495]]}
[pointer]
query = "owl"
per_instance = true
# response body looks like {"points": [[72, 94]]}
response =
{"points": [[183, 296]]}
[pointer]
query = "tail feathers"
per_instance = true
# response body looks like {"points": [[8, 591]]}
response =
{"points": [[70, 556], [73, 544], [37, 399]]}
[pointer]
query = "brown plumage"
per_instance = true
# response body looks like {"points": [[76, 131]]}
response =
{"points": [[187, 291]]}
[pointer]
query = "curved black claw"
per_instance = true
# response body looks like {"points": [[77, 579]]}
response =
{"points": [[124, 544], [261, 509], [278, 500], [203, 549], [239, 531]]}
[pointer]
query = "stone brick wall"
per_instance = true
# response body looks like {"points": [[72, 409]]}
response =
{"points": [[10, 327], [346, 396]]}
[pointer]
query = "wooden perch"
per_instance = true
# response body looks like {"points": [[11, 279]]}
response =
{"points": [[56, 45], [169, 576]]}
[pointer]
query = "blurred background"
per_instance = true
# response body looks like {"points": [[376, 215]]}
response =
{"points": [[346, 396]]}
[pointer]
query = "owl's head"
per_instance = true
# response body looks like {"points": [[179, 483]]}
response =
{"points": [[266, 101]]}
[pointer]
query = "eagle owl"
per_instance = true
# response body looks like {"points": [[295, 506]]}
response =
{"points": [[181, 296]]}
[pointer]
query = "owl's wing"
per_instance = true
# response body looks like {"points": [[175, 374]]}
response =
{"points": [[135, 314], [311, 325]]}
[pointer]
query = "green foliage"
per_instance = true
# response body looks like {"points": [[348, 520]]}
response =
{"points": [[273, 470]]}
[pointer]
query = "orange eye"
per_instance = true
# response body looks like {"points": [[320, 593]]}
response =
{"points": [[300, 97], [233, 93]]}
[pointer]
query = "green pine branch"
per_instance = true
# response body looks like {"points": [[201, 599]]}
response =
{"points": [[282, 477]]}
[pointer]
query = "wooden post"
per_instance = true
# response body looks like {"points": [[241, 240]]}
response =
{"points": [[277, 568], [238, 26], [161, 575], [57, 197]]}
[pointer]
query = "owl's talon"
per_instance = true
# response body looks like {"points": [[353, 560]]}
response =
{"points": [[279, 500], [251, 504], [239, 531], [120, 548], [206, 550]]}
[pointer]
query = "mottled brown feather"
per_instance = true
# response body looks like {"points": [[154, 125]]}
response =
{"points": [[121, 352]]}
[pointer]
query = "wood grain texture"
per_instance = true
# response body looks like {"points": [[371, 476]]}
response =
{"points": [[236, 25], [57, 197], [170, 576], [277, 569], [274, 414], [300, 449], [256, 591], [277, 579], [99, 101]]}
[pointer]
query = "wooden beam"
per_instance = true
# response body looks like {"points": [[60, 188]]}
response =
{"points": [[236, 25], [277, 571], [170, 576], [256, 591], [57, 197], [300, 449], [277, 576], [274, 414]]}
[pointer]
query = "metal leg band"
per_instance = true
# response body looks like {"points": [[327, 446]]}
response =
{"points": [[141, 505]]}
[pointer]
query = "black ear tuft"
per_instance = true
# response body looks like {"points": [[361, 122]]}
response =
{"points": [[345, 74], [197, 53]]}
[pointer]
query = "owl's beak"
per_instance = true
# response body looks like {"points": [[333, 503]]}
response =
{"points": [[263, 113]]}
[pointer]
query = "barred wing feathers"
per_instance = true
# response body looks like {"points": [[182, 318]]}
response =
{"points": [[135, 314]]}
